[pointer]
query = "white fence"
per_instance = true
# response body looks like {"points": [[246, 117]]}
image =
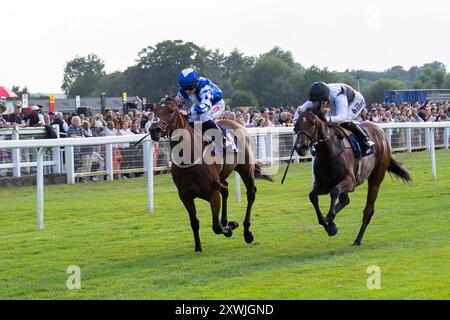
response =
{"points": [[273, 145]]}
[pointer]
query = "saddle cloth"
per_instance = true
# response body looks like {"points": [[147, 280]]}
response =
{"points": [[360, 149]]}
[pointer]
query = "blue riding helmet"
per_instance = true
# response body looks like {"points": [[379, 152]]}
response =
{"points": [[188, 78]]}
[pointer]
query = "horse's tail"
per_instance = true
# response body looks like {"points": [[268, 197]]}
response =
{"points": [[398, 170], [260, 173]]}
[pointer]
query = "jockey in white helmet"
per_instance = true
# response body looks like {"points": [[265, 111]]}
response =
{"points": [[343, 105]]}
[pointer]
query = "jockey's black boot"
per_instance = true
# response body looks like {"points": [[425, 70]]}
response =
{"points": [[211, 125], [206, 126], [359, 133]]}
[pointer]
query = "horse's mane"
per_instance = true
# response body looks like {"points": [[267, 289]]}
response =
{"points": [[339, 131]]}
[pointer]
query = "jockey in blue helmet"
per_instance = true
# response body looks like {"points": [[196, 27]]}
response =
{"points": [[207, 101]]}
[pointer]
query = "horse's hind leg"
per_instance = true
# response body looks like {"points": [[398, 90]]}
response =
{"points": [[195, 224], [249, 182], [224, 219], [344, 200], [372, 195]]}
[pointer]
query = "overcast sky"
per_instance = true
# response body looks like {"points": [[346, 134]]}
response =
{"points": [[39, 37]]}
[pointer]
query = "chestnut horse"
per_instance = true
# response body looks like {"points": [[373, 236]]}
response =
{"points": [[335, 167], [205, 180]]}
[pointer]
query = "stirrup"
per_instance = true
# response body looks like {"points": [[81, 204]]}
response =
{"points": [[369, 143], [230, 145]]}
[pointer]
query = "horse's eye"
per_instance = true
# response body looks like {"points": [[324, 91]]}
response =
{"points": [[156, 121]]}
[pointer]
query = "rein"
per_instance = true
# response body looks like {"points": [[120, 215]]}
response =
{"points": [[316, 133], [166, 133], [165, 130]]}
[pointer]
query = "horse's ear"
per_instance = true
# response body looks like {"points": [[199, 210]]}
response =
{"points": [[173, 106]]}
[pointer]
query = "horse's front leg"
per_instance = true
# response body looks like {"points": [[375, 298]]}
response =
{"points": [[343, 187], [215, 210], [224, 219], [314, 198], [195, 224]]}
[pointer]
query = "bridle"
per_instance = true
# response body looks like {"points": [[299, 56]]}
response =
{"points": [[165, 130], [313, 141]]}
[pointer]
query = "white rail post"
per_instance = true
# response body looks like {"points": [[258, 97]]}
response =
{"points": [[446, 137], [433, 154], [389, 136], [408, 139], [15, 153], [296, 157], [109, 162], [237, 179], [270, 146], [56, 155], [70, 165], [148, 158], [40, 187], [427, 139]]}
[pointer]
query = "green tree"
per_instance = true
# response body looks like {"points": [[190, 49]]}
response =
{"points": [[430, 76], [82, 75], [20, 92], [113, 84], [242, 98], [374, 93], [236, 62], [429, 79], [446, 84], [314, 74], [273, 80], [215, 65], [157, 68]]}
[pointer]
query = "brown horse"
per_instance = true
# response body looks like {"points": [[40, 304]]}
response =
{"points": [[207, 181], [335, 167]]}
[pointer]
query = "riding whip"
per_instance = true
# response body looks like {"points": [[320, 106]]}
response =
{"points": [[290, 159], [142, 139]]}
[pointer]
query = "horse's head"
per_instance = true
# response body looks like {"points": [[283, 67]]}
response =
{"points": [[310, 131], [164, 121]]}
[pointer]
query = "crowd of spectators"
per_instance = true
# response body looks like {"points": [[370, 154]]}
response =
{"points": [[265, 117], [406, 112]]}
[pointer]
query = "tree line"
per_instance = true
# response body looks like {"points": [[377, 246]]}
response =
{"points": [[272, 79]]}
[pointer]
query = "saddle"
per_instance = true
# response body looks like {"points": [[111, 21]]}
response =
{"points": [[230, 141], [360, 149]]}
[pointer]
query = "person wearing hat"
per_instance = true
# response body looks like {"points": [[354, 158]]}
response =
{"points": [[17, 118], [35, 119], [3, 123]]}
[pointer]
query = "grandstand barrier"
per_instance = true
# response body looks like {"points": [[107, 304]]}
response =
{"points": [[273, 145]]}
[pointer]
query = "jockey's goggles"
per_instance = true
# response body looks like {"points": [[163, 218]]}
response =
{"points": [[190, 87]]}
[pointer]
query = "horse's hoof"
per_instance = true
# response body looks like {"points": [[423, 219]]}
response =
{"points": [[332, 230], [228, 232], [356, 244], [233, 224], [199, 249], [248, 237]]}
